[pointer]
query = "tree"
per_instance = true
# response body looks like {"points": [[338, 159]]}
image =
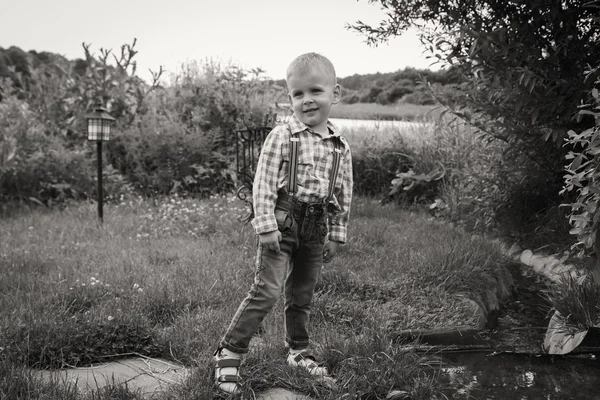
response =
{"points": [[523, 67], [523, 61]]}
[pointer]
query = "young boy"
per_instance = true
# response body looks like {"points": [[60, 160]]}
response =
{"points": [[301, 210]]}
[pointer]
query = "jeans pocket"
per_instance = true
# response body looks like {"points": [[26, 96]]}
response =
{"points": [[285, 222]]}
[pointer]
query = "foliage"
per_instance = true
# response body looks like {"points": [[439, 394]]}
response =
{"points": [[576, 301], [377, 168], [38, 166], [61, 92], [79, 341], [517, 54], [186, 142], [175, 138], [583, 178], [522, 74], [412, 187], [560, 337]]}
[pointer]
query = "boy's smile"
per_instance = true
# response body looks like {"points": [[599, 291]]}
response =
{"points": [[312, 93]]}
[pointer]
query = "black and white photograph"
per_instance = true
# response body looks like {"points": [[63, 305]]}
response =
{"points": [[285, 200]]}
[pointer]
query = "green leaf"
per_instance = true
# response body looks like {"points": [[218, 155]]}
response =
{"points": [[561, 338]]}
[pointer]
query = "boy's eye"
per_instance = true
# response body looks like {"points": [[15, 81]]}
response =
{"points": [[316, 90]]}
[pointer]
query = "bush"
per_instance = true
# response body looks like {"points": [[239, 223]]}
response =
{"points": [[179, 138], [582, 179], [186, 143], [376, 168], [41, 169]]}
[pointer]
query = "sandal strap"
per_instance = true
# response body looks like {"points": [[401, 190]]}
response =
{"points": [[228, 378], [228, 362]]}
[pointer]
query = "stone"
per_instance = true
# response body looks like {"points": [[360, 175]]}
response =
{"points": [[525, 257], [281, 394], [538, 263], [149, 375]]}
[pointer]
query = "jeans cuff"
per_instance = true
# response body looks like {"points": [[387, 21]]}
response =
{"points": [[235, 349], [297, 345]]}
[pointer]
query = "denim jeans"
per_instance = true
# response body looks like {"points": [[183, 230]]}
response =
{"points": [[303, 228]]}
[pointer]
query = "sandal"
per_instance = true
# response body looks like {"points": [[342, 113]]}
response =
{"points": [[228, 383], [307, 361]]}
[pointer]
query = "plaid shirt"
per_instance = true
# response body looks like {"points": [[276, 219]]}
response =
{"points": [[315, 160]]}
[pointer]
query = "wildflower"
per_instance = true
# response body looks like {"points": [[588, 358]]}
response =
{"points": [[110, 318]]}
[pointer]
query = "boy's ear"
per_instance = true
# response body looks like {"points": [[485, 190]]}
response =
{"points": [[337, 93]]}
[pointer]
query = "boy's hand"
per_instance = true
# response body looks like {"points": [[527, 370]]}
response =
{"points": [[330, 250], [270, 240]]}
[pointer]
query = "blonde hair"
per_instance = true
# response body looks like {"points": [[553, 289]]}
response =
{"points": [[305, 61]]}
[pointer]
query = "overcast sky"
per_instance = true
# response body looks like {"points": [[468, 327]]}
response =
{"points": [[251, 33]]}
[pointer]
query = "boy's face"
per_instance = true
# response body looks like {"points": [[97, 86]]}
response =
{"points": [[312, 93]]}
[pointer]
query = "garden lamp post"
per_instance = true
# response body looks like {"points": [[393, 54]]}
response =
{"points": [[99, 122]]}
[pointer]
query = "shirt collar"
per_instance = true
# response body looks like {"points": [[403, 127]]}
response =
{"points": [[297, 126]]}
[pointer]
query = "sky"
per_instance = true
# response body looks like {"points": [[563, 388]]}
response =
{"points": [[266, 34]]}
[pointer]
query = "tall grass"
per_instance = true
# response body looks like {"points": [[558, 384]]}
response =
{"points": [[475, 184], [577, 299], [163, 278], [400, 112]]}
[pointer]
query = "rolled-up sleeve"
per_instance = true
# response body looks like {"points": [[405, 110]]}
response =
{"points": [[338, 220], [264, 189]]}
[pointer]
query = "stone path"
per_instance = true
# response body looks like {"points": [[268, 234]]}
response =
{"points": [[148, 375], [281, 394]]}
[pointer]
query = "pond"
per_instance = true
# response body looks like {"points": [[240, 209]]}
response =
{"points": [[513, 364], [371, 124], [507, 375], [345, 124]]}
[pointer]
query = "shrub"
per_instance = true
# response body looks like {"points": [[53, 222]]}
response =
{"points": [[187, 142], [582, 179], [375, 169], [41, 168], [179, 138]]}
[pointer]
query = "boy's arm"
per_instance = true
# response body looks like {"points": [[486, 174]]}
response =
{"points": [[339, 220], [264, 188]]}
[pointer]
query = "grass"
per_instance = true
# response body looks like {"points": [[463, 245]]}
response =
{"points": [[400, 112], [578, 299], [163, 278]]}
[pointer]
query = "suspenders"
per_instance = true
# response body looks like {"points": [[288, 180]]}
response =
{"points": [[293, 166]]}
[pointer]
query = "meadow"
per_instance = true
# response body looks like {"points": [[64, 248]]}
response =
{"points": [[399, 112], [163, 276]]}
